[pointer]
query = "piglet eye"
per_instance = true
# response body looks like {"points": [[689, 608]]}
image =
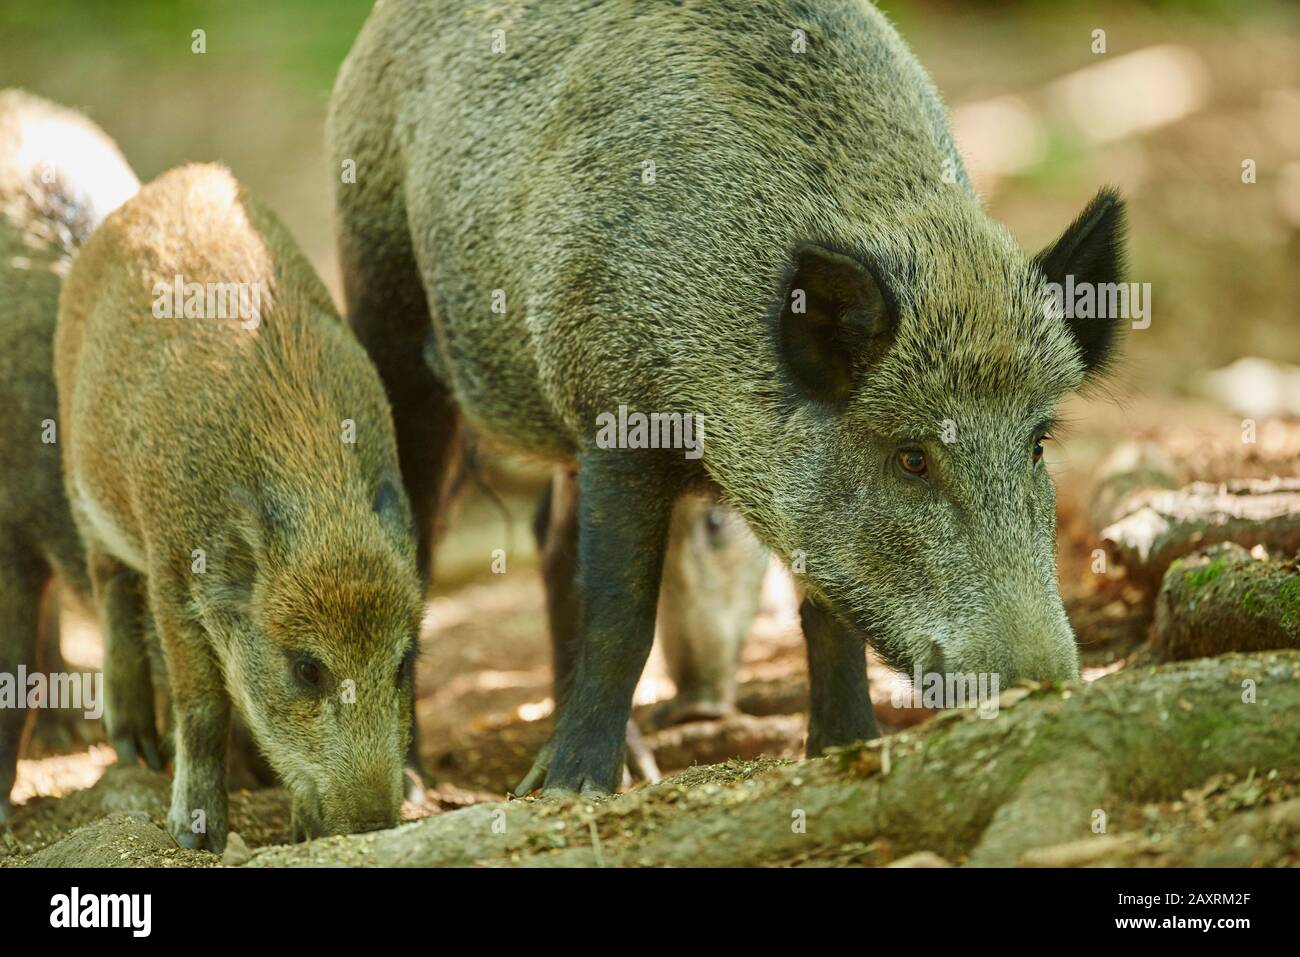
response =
{"points": [[308, 672], [912, 461]]}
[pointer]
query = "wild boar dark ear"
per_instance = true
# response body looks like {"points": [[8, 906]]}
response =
{"points": [[1091, 250], [835, 320], [390, 505]]}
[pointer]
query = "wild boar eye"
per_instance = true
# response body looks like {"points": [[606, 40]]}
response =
{"points": [[308, 672], [912, 461], [1038, 448]]}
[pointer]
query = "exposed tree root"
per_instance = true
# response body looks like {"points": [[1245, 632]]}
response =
{"points": [[1056, 768]]}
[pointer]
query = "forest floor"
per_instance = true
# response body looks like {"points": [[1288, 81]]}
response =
{"points": [[484, 708]]}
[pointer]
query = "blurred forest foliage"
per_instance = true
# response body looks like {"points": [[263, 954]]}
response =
{"points": [[1214, 82]]}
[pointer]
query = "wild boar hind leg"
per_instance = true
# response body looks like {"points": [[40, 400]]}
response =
{"points": [[129, 698], [624, 506]]}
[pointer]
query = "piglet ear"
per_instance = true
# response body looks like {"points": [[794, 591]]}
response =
{"points": [[240, 550], [1091, 251], [835, 320]]}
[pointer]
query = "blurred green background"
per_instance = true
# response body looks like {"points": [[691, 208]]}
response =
{"points": [[1184, 93]]}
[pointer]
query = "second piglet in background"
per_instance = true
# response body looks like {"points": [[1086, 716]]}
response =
{"points": [[231, 466]]}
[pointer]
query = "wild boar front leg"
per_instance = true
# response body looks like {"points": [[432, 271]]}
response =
{"points": [[129, 698], [840, 709], [197, 818], [555, 527], [624, 507]]}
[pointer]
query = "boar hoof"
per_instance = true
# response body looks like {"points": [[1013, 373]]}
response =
{"points": [[197, 830], [586, 788], [134, 744], [556, 783], [210, 841]]}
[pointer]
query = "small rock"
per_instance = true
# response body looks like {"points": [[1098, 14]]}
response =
{"points": [[237, 852], [920, 859]]}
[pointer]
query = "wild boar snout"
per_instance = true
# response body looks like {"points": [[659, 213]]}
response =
{"points": [[368, 800], [1028, 638]]}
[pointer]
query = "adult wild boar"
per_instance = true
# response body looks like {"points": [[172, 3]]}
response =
{"points": [[231, 466], [751, 213], [60, 175]]}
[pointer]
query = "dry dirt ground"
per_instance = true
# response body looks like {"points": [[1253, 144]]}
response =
{"points": [[484, 698]]}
